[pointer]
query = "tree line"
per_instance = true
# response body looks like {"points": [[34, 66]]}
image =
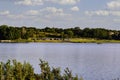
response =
{"points": [[13, 70], [13, 33]]}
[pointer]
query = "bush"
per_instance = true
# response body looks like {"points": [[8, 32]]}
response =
{"points": [[13, 70]]}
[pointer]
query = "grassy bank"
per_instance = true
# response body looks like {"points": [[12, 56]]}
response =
{"points": [[79, 40], [72, 40]]}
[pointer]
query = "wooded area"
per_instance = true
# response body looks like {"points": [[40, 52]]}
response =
{"points": [[13, 33]]}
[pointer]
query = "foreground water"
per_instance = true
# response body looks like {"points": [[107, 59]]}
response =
{"points": [[89, 60]]}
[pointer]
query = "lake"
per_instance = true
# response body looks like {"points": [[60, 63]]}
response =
{"points": [[89, 60]]}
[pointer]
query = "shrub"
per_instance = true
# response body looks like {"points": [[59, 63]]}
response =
{"points": [[13, 70]]}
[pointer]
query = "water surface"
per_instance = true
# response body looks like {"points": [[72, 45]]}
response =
{"points": [[91, 61]]}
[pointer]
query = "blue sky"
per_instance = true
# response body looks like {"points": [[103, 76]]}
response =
{"points": [[61, 13]]}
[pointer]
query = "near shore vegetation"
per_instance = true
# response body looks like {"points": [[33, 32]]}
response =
{"points": [[13, 70]]}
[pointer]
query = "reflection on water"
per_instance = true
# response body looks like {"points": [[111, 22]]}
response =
{"points": [[92, 61]]}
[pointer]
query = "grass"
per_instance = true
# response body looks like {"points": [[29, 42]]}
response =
{"points": [[72, 40], [22, 41], [89, 40], [49, 41]]}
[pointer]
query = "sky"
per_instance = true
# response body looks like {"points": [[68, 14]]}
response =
{"points": [[61, 13]]}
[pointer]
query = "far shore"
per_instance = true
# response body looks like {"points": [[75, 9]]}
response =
{"points": [[72, 40]]}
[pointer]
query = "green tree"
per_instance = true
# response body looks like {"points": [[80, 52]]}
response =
{"points": [[70, 34], [3, 32]]}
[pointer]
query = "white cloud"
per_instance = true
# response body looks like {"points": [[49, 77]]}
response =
{"points": [[32, 12], [99, 13], [48, 12], [41, 2], [64, 2], [45, 13], [75, 8], [54, 11], [103, 13], [29, 2], [113, 10], [115, 13], [116, 20], [16, 16], [114, 4], [7, 14], [4, 12]]}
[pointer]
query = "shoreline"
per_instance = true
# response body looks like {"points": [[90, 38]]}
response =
{"points": [[73, 40]]}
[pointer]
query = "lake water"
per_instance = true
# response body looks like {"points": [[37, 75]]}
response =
{"points": [[89, 60]]}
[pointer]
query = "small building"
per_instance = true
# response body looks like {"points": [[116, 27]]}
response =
{"points": [[111, 33], [5, 41]]}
